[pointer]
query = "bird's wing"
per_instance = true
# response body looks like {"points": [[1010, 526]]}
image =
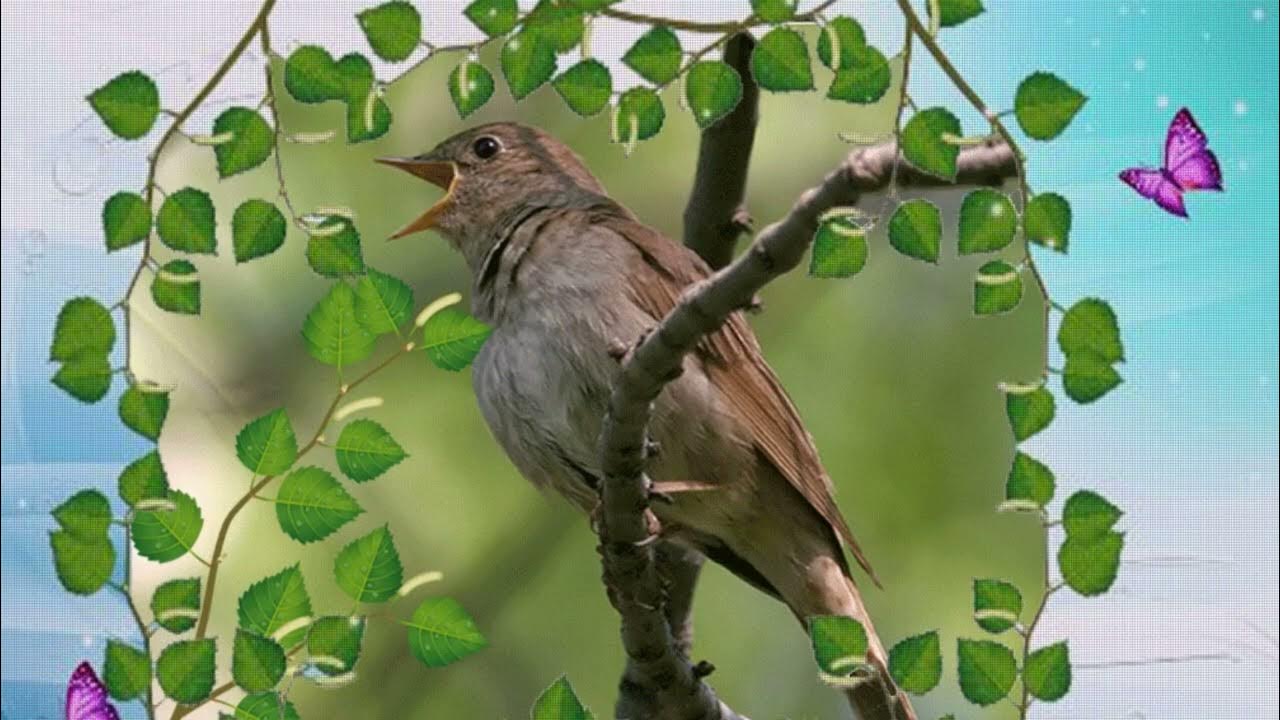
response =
{"points": [[735, 365]]}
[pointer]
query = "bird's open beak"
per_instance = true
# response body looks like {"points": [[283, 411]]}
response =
{"points": [[442, 174]]}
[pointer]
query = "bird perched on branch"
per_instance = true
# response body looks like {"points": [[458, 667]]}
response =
{"points": [[567, 276]]}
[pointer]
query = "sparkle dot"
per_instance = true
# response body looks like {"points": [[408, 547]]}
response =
{"points": [[1139, 64], [1124, 9], [1264, 380], [1205, 35], [86, 640], [1174, 376], [1126, 85], [1162, 101], [1259, 14], [1096, 42], [1241, 107], [22, 504], [1243, 165]]}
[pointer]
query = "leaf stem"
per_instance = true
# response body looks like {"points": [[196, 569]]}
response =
{"points": [[123, 588]]}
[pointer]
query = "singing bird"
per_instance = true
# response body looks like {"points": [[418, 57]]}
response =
{"points": [[565, 275]]}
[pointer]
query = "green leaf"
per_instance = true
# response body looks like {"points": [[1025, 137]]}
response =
{"points": [[987, 670], [996, 605], [87, 378], [265, 706], [335, 638], [780, 62], [128, 104], [839, 250], [593, 6], [1045, 105], [866, 80], [393, 29], [712, 90], [774, 11], [1088, 376], [383, 302], [311, 75], [267, 445], [126, 220], [84, 327], [988, 221], [365, 450], [560, 24], [839, 643], [1087, 515], [311, 505], [143, 410], [83, 565], [639, 115], [333, 334], [369, 569], [368, 116], [143, 479], [997, 288], [176, 288], [1047, 221], [357, 77], [452, 338], [252, 140], [1089, 564], [257, 662], [954, 12], [174, 601], [1029, 480], [848, 37], [126, 671], [186, 222], [915, 230], [186, 670], [1029, 413], [1047, 674], [165, 535], [585, 87], [527, 62], [257, 229], [923, 146], [441, 632], [470, 86], [493, 17], [335, 252], [916, 663], [656, 56], [273, 602], [87, 515], [1091, 325], [560, 702]]}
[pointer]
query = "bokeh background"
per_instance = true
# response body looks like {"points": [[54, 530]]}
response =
{"points": [[894, 377]]}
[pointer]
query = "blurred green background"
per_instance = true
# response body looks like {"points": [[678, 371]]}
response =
{"points": [[894, 376]]}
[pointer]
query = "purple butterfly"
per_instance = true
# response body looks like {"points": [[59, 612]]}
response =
{"points": [[86, 698], [1189, 164]]}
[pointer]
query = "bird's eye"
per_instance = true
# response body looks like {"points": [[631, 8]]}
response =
{"points": [[486, 147]]}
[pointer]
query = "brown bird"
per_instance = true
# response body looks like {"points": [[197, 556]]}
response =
{"points": [[564, 273]]}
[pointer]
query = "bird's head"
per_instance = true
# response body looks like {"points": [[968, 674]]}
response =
{"points": [[489, 174]]}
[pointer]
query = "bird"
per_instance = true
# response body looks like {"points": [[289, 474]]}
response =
{"points": [[564, 274]]}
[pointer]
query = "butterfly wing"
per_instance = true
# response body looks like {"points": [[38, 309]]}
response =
{"points": [[1158, 186], [87, 698], [1187, 156]]}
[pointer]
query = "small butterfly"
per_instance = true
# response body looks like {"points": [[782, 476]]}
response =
{"points": [[87, 698], [1189, 164]]}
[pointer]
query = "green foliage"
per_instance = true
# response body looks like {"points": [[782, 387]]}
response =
{"points": [[441, 632], [839, 249], [332, 333], [369, 569], [311, 75], [865, 80], [393, 29], [1088, 376], [1091, 325], [143, 410], [84, 327], [1088, 516], [774, 11], [311, 505], [452, 338], [585, 87], [368, 117], [1047, 221], [780, 62], [257, 662], [166, 535], [273, 602], [265, 706], [186, 670], [333, 250], [996, 605], [87, 378], [470, 86], [267, 445], [954, 12], [560, 702], [712, 90], [988, 221], [839, 643], [175, 602], [336, 639], [1045, 105], [915, 230], [846, 35], [126, 671], [83, 564], [916, 663], [1089, 564], [1029, 412], [987, 670], [143, 479], [639, 115], [128, 104], [924, 147], [186, 222], [176, 288], [997, 288], [251, 143], [126, 220], [559, 24], [493, 17], [87, 515], [1047, 673], [257, 229], [1030, 481], [365, 450], [527, 61], [383, 302], [656, 56]]}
